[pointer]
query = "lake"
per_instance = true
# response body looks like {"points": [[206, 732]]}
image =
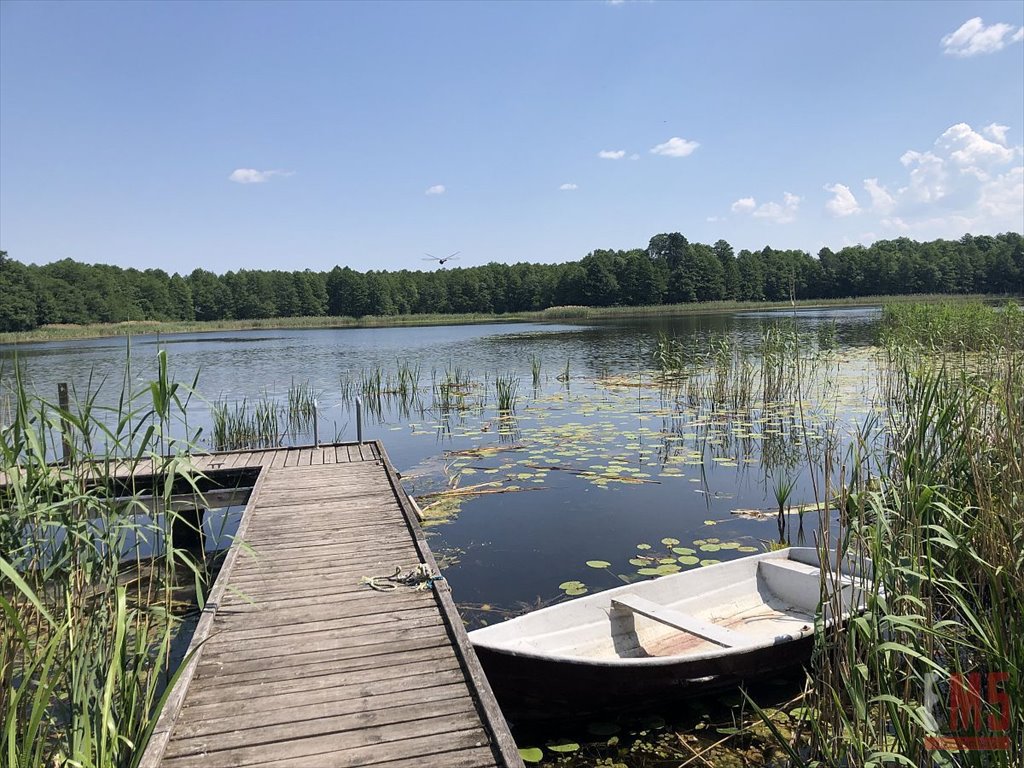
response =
{"points": [[611, 465]]}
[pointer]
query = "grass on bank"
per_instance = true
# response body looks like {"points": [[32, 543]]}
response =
{"points": [[147, 327]]}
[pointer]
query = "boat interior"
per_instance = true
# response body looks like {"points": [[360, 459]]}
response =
{"points": [[766, 600]]}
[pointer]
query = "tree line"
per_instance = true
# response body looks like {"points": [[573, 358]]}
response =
{"points": [[670, 270]]}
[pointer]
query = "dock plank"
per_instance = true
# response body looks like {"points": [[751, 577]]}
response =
{"points": [[301, 663]]}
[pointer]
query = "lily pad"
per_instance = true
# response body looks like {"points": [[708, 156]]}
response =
{"points": [[683, 550], [598, 563], [689, 560], [602, 729], [668, 541], [531, 754], [564, 746], [570, 584]]}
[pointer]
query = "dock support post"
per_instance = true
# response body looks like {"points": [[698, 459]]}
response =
{"points": [[359, 419], [187, 529], [316, 425], [64, 403]]}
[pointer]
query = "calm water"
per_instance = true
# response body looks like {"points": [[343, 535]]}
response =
{"points": [[588, 469]]}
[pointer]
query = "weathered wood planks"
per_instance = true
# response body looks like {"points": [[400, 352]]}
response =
{"points": [[299, 663]]}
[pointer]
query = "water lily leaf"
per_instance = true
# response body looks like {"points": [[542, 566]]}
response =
{"points": [[602, 729], [649, 572], [747, 549], [643, 546], [639, 561], [668, 541], [531, 754], [598, 563], [683, 550], [564, 746], [652, 723], [709, 547], [576, 591], [710, 522], [570, 584], [710, 562], [689, 560]]}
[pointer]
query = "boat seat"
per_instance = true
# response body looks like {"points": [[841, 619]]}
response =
{"points": [[800, 583], [679, 620]]}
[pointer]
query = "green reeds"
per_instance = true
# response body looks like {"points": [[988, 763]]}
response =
{"points": [[243, 425], [506, 389], [535, 370], [88, 622], [302, 406], [941, 535]]}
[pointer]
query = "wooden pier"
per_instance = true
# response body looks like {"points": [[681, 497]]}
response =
{"points": [[297, 662]]}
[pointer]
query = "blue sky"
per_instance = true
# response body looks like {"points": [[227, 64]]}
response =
{"points": [[264, 135]]}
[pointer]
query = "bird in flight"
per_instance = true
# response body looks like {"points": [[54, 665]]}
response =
{"points": [[449, 257]]}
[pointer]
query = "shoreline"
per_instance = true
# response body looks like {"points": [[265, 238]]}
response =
{"points": [[56, 333]]}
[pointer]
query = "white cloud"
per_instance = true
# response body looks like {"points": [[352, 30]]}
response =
{"points": [[568, 187], [744, 205], [928, 176], [713, 219], [881, 200], [969, 148], [964, 183], [997, 132], [634, 156], [252, 176], [612, 154], [675, 147], [974, 38], [780, 213], [843, 203], [437, 189]]}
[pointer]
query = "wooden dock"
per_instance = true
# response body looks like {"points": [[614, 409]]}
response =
{"points": [[297, 662]]}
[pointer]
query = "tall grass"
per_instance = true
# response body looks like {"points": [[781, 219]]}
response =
{"points": [[240, 425], [506, 389], [942, 534], [87, 629]]}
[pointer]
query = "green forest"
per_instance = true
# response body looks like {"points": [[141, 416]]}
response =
{"points": [[670, 270]]}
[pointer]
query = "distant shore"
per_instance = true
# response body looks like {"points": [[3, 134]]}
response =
{"points": [[552, 314]]}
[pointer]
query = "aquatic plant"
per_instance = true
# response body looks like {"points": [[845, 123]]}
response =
{"points": [[89, 620], [941, 536], [506, 388], [241, 425]]}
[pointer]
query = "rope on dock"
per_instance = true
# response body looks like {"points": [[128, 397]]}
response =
{"points": [[419, 578]]}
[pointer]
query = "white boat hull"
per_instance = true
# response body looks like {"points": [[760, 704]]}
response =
{"points": [[710, 626]]}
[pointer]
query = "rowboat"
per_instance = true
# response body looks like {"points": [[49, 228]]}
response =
{"points": [[694, 630]]}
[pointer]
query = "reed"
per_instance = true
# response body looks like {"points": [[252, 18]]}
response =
{"points": [[933, 515], [535, 370], [85, 642], [244, 425], [506, 390], [302, 400]]}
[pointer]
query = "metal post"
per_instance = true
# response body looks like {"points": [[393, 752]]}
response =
{"points": [[316, 425], [359, 419], [63, 402]]}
